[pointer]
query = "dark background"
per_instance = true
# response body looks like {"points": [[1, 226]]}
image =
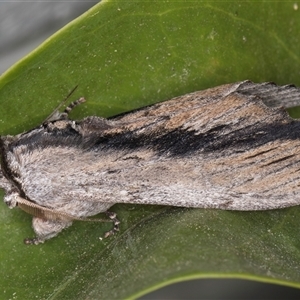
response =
{"points": [[23, 26]]}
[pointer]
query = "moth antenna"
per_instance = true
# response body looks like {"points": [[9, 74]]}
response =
{"points": [[113, 217], [72, 105], [56, 115]]}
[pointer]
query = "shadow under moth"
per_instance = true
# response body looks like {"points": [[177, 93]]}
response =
{"points": [[225, 148]]}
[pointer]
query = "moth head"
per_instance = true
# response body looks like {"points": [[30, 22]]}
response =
{"points": [[6, 158], [4, 183]]}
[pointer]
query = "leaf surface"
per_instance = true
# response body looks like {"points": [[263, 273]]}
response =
{"points": [[124, 55]]}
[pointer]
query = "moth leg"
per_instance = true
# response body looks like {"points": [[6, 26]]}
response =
{"points": [[113, 217], [46, 229]]}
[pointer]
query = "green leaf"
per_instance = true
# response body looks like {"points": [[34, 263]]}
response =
{"points": [[127, 54]]}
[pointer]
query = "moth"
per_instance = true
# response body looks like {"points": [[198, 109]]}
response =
{"points": [[225, 148]]}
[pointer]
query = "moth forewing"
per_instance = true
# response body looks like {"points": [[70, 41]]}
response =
{"points": [[219, 148]]}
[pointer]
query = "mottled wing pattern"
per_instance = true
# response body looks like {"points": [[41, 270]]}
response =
{"points": [[218, 148]]}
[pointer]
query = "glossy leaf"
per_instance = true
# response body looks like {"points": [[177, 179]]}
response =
{"points": [[124, 55]]}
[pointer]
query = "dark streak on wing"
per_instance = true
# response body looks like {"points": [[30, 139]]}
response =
{"points": [[183, 142], [38, 139], [235, 129]]}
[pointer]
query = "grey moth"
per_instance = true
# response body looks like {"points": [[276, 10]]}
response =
{"points": [[226, 148]]}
